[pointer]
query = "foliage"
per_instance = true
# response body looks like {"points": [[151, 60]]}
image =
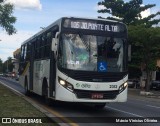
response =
{"points": [[7, 66], [1, 66], [129, 12], [6, 18], [146, 42], [145, 39], [146, 46], [10, 64]]}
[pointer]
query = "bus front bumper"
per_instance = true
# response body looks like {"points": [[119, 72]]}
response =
{"points": [[91, 96]]}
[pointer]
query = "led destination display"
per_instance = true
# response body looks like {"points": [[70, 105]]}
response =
{"points": [[94, 25]]}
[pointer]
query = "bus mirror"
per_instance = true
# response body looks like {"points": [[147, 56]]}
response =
{"points": [[129, 52], [54, 45], [57, 35]]}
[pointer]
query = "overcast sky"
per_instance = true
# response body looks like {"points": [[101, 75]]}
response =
{"points": [[33, 14]]}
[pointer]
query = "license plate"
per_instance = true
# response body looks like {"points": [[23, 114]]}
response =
{"points": [[97, 96]]}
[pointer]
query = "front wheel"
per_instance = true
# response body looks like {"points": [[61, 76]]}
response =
{"points": [[47, 100], [26, 91], [100, 105]]}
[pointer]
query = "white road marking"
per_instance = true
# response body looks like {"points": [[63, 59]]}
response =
{"points": [[124, 111], [153, 106]]}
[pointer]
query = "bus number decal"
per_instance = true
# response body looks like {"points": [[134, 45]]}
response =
{"points": [[112, 86]]}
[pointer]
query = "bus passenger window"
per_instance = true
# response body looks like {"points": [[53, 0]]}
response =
{"points": [[28, 51], [25, 52], [22, 53]]}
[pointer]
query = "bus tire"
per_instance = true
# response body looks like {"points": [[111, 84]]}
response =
{"points": [[26, 91], [45, 93]]}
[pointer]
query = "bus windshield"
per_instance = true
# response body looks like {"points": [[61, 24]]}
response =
{"points": [[92, 53]]}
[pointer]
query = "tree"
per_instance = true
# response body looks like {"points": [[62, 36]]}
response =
{"points": [[129, 12], [1, 66], [146, 41], [8, 65], [6, 18], [143, 37]]}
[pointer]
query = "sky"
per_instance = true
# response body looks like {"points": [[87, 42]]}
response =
{"points": [[32, 15]]}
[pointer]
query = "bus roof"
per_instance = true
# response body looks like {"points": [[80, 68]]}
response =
{"points": [[58, 22]]}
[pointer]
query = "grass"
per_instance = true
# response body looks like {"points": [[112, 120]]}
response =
{"points": [[12, 106]]}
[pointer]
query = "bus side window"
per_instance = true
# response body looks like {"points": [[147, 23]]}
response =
{"points": [[36, 49], [25, 52], [28, 51], [43, 46], [22, 53], [48, 44], [39, 47]]}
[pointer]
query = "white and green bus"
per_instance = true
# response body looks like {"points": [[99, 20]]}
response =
{"points": [[77, 60]]}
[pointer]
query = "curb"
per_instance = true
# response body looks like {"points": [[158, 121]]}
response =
{"points": [[145, 93], [37, 106], [140, 93], [149, 94]]}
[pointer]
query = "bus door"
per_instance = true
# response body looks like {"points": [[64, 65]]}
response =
{"points": [[52, 83], [31, 66], [52, 75]]}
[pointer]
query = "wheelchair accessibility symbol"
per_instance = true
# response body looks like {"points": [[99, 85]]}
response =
{"points": [[102, 67]]}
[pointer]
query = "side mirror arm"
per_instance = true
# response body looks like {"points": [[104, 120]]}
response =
{"points": [[54, 46]]}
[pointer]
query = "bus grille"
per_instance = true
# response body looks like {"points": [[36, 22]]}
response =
{"points": [[92, 76], [88, 94]]}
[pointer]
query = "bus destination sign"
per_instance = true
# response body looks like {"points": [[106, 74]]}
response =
{"points": [[92, 25]]}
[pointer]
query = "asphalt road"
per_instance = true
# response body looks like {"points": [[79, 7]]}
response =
{"points": [[135, 109]]}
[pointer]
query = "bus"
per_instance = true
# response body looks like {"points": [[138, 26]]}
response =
{"points": [[77, 60]]}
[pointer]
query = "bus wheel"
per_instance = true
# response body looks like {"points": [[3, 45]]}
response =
{"points": [[47, 100], [26, 91], [100, 105]]}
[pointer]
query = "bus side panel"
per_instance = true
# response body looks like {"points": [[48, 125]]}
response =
{"points": [[41, 71], [24, 74], [21, 80], [61, 91]]}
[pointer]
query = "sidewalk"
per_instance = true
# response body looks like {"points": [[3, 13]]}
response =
{"points": [[137, 93], [19, 111]]}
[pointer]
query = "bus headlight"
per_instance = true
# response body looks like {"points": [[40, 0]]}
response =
{"points": [[123, 87], [62, 82], [65, 84]]}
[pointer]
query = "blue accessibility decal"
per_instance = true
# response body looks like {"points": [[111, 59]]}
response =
{"points": [[102, 66]]}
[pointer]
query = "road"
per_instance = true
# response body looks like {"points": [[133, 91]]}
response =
{"points": [[135, 109]]}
